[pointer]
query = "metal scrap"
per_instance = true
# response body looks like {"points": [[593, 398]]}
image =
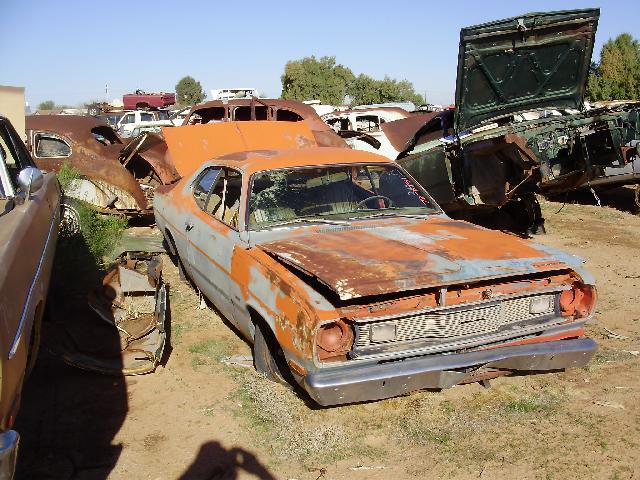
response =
{"points": [[132, 300]]}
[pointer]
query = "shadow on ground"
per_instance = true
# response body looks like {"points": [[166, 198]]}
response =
{"points": [[620, 198], [214, 462], [68, 417]]}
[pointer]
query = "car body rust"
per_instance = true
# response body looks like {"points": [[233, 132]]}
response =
{"points": [[324, 288]]}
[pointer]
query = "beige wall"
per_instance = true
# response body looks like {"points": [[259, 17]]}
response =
{"points": [[12, 107]]}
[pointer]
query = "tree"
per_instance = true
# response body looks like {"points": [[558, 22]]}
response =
{"points": [[322, 79], [313, 79], [365, 90], [189, 91], [617, 76], [47, 105]]}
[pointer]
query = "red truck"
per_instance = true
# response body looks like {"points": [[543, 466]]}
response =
{"points": [[143, 100]]}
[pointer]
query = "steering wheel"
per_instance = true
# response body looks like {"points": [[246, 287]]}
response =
{"points": [[361, 203]]}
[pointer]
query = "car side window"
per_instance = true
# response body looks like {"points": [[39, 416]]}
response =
{"points": [[146, 117], [217, 192], [10, 175], [49, 145], [203, 186]]}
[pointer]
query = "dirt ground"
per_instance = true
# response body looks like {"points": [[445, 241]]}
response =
{"points": [[198, 418]]}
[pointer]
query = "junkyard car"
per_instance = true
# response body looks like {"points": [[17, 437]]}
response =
{"points": [[348, 277], [351, 124], [29, 216], [520, 123], [264, 109], [113, 177]]}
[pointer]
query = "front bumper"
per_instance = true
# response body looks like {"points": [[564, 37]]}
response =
{"points": [[9, 441], [359, 382]]}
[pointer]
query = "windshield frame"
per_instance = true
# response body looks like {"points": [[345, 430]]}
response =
{"points": [[437, 210]]}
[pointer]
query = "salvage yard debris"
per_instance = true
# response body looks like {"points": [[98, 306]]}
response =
{"points": [[132, 303]]}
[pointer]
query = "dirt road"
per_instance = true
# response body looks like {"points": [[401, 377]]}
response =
{"points": [[197, 418]]}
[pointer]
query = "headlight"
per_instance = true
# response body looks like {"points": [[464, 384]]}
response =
{"points": [[334, 339], [579, 301], [542, 304]]}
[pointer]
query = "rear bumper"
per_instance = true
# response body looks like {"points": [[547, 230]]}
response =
{"points": [[9, 441], [372, 381]]}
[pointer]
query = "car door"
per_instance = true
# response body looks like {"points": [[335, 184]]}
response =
{"points": [[212, 234], [28, 233]]}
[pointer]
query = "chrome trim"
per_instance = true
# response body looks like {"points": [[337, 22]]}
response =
{"points": [[18, 337], [394, 350], [362, 382], [495, 299]]}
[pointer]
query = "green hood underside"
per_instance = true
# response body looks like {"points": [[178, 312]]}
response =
{"points": [[536, 60]]}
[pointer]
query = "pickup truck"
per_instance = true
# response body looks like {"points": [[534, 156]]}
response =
{"points": [[29, 218], [137, 119], [141, 100]]}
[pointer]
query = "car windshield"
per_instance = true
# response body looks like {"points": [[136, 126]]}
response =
{"points": [[334, 194]]}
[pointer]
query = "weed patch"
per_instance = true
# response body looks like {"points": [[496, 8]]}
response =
{"points": [[288, 426], [210, 351]]}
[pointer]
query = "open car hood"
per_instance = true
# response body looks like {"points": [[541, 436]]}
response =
{"points": [[394, 257], [536, 60]]}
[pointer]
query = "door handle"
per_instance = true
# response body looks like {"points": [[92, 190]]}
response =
{"points": [[188, 226]]}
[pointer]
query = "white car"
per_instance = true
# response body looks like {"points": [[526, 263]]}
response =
{"points": [[137, 119]]}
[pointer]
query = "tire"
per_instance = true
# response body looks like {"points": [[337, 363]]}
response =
{"points": [[173, 252], [268, 357], [69, 217]]}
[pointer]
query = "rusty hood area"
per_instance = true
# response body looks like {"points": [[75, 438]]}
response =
{"points": [[409, 254], [190, 146]]}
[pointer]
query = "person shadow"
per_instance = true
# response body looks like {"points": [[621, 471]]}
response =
{"points": [[215, 462]]}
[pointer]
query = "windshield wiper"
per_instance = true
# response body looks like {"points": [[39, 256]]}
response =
{"points": [[308, 220], [391, 214]]}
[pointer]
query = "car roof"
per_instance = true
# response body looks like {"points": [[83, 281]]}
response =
{"points": [[254, 161]]}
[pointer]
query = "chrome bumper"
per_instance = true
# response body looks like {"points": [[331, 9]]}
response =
{"points": [[359, 382], [9, 441]]}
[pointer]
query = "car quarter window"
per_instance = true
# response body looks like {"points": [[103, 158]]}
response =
{"points": [[50, 145], [12, 167], [13, 160], [217, 192]]}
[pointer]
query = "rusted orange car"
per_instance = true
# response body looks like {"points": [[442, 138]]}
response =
{"points": [[350, 280]]}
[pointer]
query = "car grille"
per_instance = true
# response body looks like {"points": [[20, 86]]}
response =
{"points": [[449, 324]]}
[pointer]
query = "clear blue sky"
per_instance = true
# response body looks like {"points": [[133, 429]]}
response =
{"points": [[67, 51]]}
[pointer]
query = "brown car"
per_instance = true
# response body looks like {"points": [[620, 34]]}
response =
{"points": [[29, 217], [114, 177]]}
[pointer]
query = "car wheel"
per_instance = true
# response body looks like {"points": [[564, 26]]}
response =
{"points": [[70, 217], [173, 252], [268, 357]]}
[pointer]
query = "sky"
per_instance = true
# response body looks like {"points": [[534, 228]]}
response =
{"points": [[69, 51]]}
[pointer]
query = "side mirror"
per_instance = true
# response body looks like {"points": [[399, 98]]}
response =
{"points": [[30, 180]]}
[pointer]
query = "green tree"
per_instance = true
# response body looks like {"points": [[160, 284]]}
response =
{"points": [[617, 75], [189, 91], [316, 79], [47, 105], [365, 90]]}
